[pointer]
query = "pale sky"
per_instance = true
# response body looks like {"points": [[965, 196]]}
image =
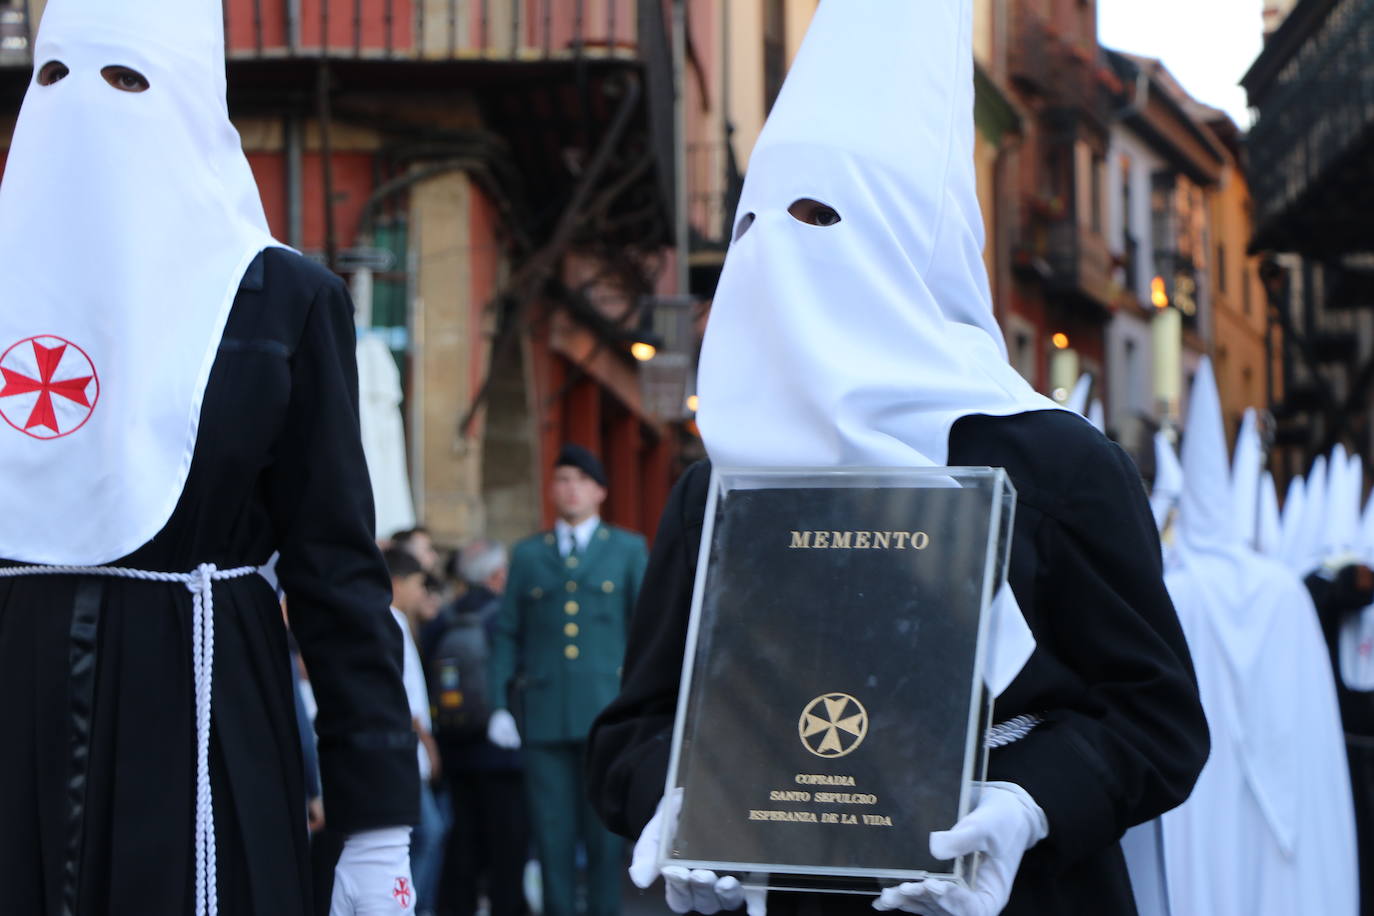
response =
{"points": [[1208, 45]]}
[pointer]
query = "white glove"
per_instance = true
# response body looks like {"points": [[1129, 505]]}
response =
{"points": [[372, 877], [501, 730], [687, 890], [1004, 824]]}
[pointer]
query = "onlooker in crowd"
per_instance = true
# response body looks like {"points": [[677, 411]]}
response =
{"points": [[488, 840], [420, 544], [562, 625], [408, 599]]}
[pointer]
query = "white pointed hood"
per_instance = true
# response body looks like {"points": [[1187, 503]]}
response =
{"points": [[862, 342], [126, 223], [1309, 544], [1078, 398], [1342, 506], [1270, 527], [1168, 485], [1246, 465], [1294, 513], [1097, 416]]}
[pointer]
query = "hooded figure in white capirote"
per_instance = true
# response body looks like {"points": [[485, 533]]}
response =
{"points": [[853, 326], [179, 402], [1268, 828]]}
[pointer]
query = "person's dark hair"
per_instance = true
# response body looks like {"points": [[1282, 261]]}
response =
{"points": [[401, 562], [402, 537]]}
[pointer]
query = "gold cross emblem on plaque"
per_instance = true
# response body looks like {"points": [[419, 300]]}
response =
{"points": [[833, 724]]}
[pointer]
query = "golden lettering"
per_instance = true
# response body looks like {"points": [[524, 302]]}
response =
{"points": [[848, 819], [796, 817], [901, 537], [876, 820], [920, 540], [822, 540], [846, 798], [801, 539], [822, 779], [789, 795], [863, 540], [840, 540], [882, 540]]}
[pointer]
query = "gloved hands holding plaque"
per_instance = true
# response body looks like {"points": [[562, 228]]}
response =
{"points": [[687, 890], [1004, 823]]}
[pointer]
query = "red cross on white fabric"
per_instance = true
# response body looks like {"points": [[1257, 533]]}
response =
{"points": [[50, 387], [402, 892]]}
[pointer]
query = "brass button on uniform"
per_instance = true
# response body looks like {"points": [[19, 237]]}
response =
{"points": [[571, 608], [572, 562], [570, 630], [571, 586], [608, 586], [570, 652], [536, 592]]}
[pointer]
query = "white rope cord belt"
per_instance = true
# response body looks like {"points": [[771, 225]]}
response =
{"points": [[201, 585]]}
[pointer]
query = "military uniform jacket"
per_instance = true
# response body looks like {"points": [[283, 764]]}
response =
{"points": [[562, 628]]}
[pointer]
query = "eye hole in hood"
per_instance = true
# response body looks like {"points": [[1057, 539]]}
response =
{"points": [[52, 72], [125, 79], [813, 212], [743, 225]]}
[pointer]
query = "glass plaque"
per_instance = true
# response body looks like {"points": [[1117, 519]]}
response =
{"points": [[832, 708]]}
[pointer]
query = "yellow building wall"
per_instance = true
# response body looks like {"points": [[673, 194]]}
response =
{"points": [[1238, 302]]}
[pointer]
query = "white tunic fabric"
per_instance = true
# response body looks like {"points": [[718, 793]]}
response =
{"points": [[127, 221], [1269, 827]]}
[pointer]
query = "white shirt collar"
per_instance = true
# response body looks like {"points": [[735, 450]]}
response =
{"points": [[582, 532]]}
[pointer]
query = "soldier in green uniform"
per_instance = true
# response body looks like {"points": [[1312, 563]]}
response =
{"points": [[562, 628]]}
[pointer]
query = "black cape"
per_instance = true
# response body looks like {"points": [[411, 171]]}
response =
{"points": [[1124, 737], [98, 757]]}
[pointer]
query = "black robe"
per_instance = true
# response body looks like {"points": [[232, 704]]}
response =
{"points": [[1124, 737], [97, 758], [1348, 593]]}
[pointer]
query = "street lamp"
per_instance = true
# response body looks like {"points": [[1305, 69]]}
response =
{"points": [[1063, 367]]}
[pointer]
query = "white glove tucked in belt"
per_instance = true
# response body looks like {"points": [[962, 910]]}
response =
{"points": [[687, 890], [1004, 823], [372, 877], [502, 731]]}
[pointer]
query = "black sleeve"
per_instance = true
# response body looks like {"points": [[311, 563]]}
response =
{"points": [[1338, 596], [1129, 741], [337, 588], [627, 752]]}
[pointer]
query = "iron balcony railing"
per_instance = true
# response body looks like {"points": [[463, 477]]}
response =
{"points": [[504, 30], [1318, 107], [713, 189]]}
